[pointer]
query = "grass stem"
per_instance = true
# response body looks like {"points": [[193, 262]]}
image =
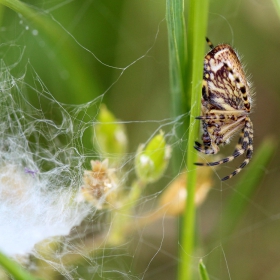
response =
{"points": [[196, 31]]}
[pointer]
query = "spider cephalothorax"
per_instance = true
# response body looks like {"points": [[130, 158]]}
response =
{"points": [[225, 106]]}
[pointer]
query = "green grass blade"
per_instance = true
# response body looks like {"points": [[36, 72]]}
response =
{"points": [[197, 22], [14, 268], [68, 56], [186, 76], [203, 271], [177, 52], [177, 62], [246, 186]]}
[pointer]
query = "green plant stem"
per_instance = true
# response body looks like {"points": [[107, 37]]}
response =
{"points": [[197, 22], [123, 215], [14, 269]]}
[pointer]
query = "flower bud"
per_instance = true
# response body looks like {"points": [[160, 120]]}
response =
{"points": [[152, 160], [110, 136]]}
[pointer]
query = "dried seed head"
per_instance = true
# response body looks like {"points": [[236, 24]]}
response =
{"points": [[100, 184]]}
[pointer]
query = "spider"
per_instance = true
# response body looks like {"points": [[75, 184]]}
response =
{"points": [[225, 106]]}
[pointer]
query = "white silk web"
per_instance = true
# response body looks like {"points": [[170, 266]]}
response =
{"points": [[44, 218]]}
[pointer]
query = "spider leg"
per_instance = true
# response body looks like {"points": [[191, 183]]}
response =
{"points": [[209, 43], [243, 144], [223, 115], [238, 146], [239, 150], [230, 129], [213, 149], [248, 145]]}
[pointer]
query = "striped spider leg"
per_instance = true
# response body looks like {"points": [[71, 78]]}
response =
{"points": [[225, 106]]}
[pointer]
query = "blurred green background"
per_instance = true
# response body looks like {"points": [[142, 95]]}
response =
{"points": [[120, 50]]}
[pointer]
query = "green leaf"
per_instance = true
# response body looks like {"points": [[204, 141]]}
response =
{"points": [[203, 271]]}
